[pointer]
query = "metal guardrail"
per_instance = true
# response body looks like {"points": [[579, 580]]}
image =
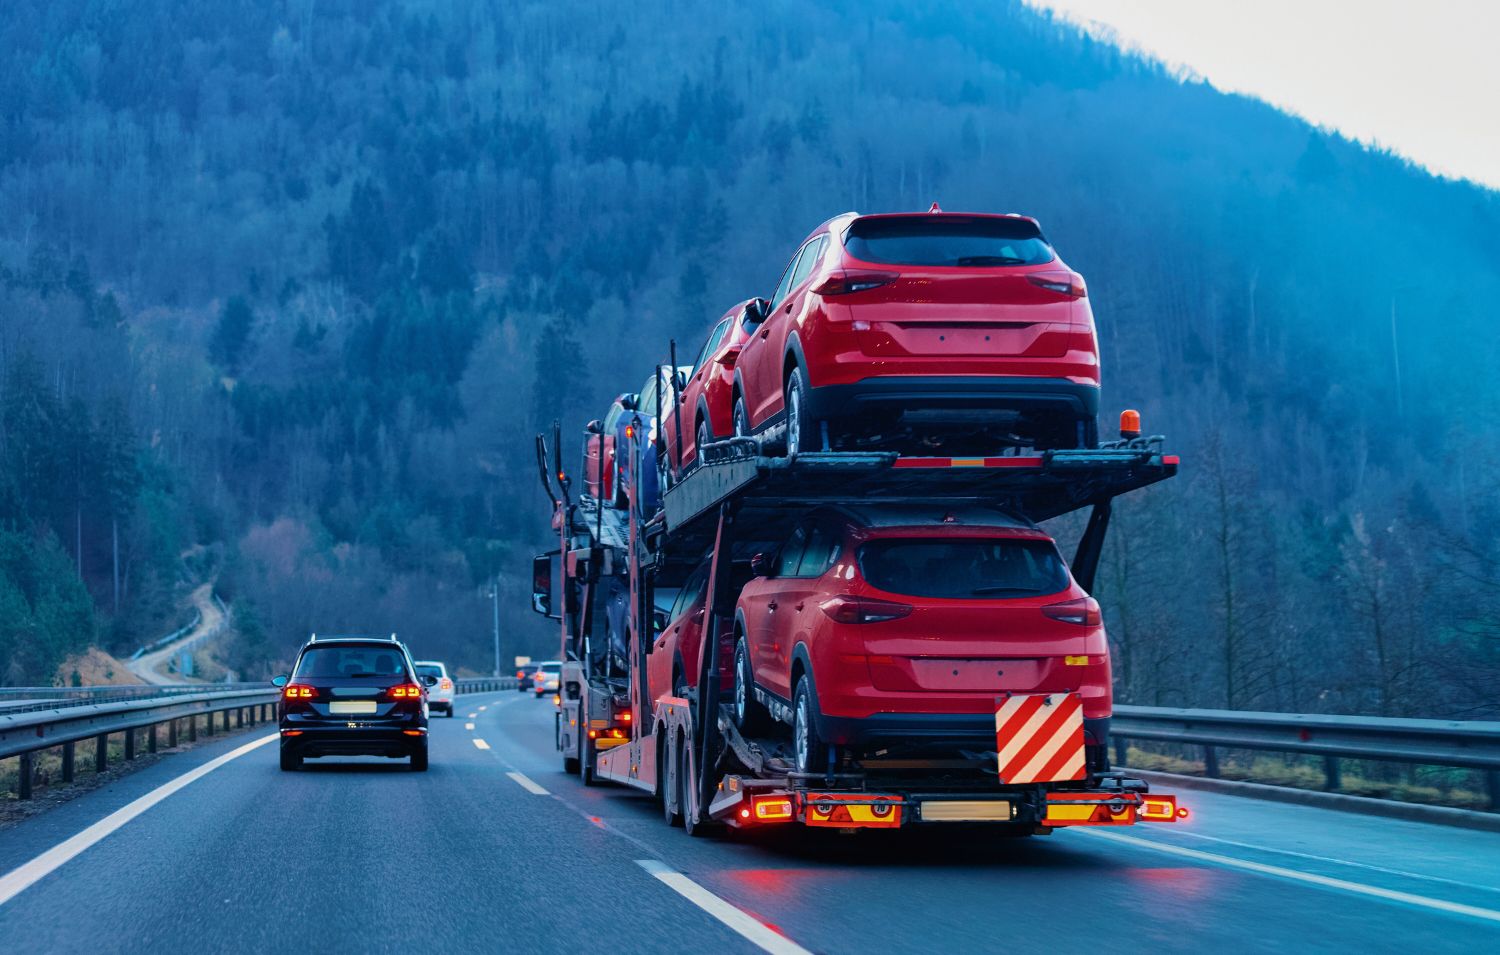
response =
{"points": [[1454, 743], [27, 699], [23, 734], [486, 684]]}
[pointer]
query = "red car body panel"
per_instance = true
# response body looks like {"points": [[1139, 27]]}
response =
{"points": [[947, 656], [926, 321], [709, 395], [595, 447], [680, 643]]}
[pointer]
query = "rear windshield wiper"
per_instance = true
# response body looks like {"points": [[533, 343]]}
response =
{"points": [[1005, 590], [990, 260]]}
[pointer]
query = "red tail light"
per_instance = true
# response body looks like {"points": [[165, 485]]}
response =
{"points": [[1064, 283], [406, 691], [520, 674], [299, 691], [447, 684], [1084, 612], [846, 281], [847, 609]]}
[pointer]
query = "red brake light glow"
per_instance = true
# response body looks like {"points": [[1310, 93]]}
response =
{"points": [[406, 691], [1064, 283], [847, 281], [847, 609], [447, 684], [298, 691], [1084, 612]]}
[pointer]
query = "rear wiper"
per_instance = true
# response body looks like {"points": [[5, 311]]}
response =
{"points": [[990, 260], [1004, 590]]}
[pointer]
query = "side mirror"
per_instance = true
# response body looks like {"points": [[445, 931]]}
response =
{"points": [[757, 310], [429, 681], [729, 356], [760, 565], [279, 680], [659, 620], [594, 427], [541, 584]]}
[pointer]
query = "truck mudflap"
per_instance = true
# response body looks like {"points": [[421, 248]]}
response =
{"points": [[746, 802]]}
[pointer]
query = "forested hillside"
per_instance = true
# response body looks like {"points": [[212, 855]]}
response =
{"points": [[288, 286]]}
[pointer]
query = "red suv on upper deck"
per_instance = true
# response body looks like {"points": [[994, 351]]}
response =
{"points": [[707, 399], [903, 625], [946, 330]]}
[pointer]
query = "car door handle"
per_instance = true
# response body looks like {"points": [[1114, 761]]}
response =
{"points": [[772, 605], [788, 308], [799, 606], [765, 333]]}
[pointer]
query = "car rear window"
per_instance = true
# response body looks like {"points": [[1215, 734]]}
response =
{"points": [[976, 242], [977, 568], [358, 662], [430, 671], [551, 668]]}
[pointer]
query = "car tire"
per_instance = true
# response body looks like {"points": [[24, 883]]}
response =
{"points": [[810, 753], [798, 427], [702, 437], [741, 418], [419, 759], [291, 761], [749, 715]]}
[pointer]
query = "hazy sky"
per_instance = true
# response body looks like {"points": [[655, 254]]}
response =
{"points": [[1421, 79]]}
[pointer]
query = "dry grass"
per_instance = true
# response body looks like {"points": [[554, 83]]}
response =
{"points": [[94, 667]]}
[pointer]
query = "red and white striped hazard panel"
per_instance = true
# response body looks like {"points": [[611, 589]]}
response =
{"points": [[1040, 738]]}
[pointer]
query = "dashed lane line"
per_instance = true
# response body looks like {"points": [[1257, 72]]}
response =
{"points": [[526, 783], [24, 876], [481, 743], [1375, 891], [468, 726], [736, 919]]}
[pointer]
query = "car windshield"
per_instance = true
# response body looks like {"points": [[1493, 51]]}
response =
{"points": [[975, 242], [968, 568], [360, 661], [429, 670]]}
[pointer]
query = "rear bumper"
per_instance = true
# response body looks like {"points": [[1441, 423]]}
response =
{"points": [[962, 396], [326, 740], [964, 729]]}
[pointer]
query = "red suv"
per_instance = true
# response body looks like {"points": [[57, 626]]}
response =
{"points": [[902, 625], [707, 402], [675, 654], [942, 330]]}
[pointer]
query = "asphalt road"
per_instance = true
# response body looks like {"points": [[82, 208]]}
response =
{"points": [[365, 856]]}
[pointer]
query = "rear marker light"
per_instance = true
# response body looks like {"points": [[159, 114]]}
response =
{"points": [[778, 807], [413, 732], [1076, 661], [291, 732], [1084, 612], [1161, 809]]}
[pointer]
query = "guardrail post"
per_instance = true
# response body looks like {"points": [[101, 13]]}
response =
{"points": [[1210, 762], [151, 739], [23, 782], [1493, 778], [171, 734], [226, 721], [1122, 747], [69, 762], [130, 744], [1332, 779], [101, 752], [193, 728]]}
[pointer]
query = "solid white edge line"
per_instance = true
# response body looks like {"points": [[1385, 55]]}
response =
{"points": [[737, 920], [1440, 905], [526, 783], [481, 744], [1402, 873], [24, 876]]}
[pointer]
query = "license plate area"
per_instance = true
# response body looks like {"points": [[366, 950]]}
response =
{"points": [[343, 707], [967, 810]]}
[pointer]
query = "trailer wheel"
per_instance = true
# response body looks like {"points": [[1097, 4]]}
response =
{"points": [[687, 788], [810, 750], [751, 718]]}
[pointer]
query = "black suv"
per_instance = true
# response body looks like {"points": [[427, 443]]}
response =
{"points": [[353, 696]]}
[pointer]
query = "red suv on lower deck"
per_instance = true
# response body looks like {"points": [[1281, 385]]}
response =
{"points": [[903, 625], [672, 663], [951, 330]]}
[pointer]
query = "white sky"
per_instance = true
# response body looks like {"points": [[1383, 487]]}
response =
{"points": [[1419, 78]]}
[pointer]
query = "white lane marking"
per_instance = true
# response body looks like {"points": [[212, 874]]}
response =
{"points": [[468, 726], [1441, 905], [481, 744], [1332, 861], [22, 877], [740, 921], [483, 708], [526, 784], [472, 715]]}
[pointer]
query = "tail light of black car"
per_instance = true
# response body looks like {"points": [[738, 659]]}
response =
{"points": [[299, 691], [405, 691]]}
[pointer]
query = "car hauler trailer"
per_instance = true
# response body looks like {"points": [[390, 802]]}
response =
{"points": [[685, 749]]}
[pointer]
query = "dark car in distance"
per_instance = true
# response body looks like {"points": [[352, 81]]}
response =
{"points": [[353, 696]]}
